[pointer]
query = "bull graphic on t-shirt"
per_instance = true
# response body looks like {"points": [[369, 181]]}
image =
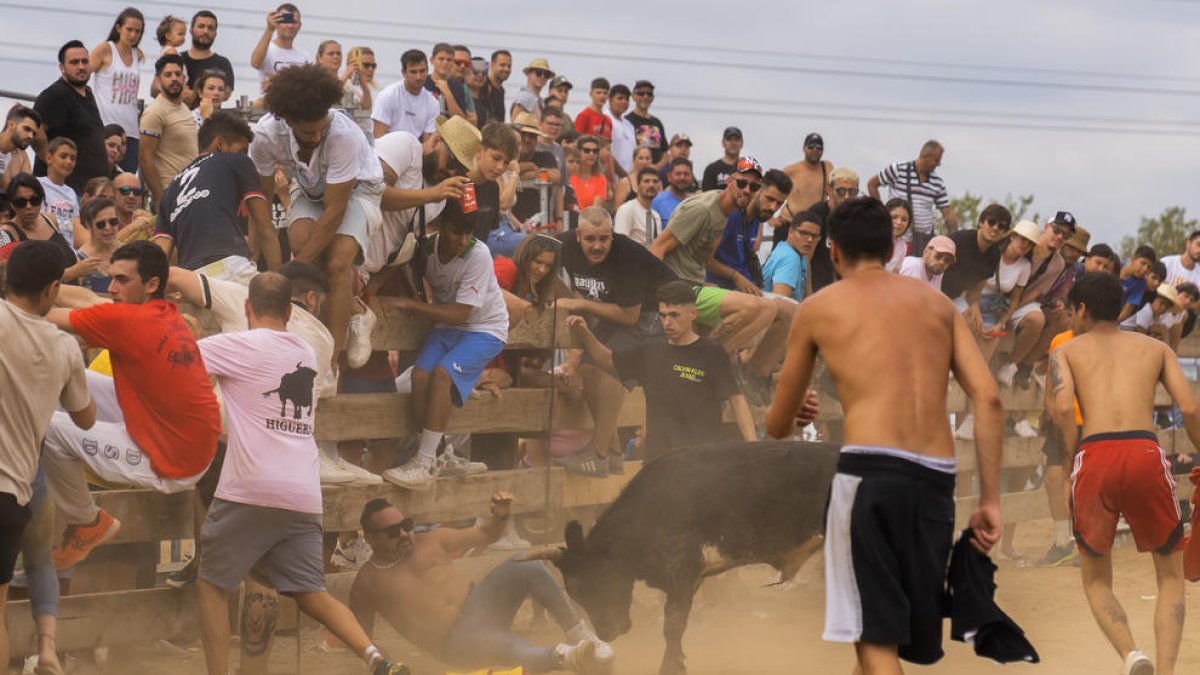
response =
{"points": [[297, 387]]}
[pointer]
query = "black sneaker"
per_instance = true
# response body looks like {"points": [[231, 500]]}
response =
{"points": [[585, 463], [1022, 379], [388, 667], [183, 578]]}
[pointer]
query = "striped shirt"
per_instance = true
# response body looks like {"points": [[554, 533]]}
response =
{"points": [[903, 181]]}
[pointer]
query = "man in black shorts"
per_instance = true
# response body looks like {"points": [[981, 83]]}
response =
{"points": [[884, 339]]}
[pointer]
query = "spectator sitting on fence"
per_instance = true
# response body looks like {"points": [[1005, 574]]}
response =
{"points": [[735, 264], [932, 264], [412, 584], [471, 327], [1188, 299], [977, 256], [1099, 258], [1002, 291], [901, 213], [843, 186], [1133, 280], [786, 273], [1156, 317], [159, 417]]}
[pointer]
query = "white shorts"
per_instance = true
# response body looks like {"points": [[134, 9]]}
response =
{"points": [[363, 216], [1024, 310], [233, 268]]}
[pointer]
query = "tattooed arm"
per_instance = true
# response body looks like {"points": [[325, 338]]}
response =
{"points": [[1060, 401]]}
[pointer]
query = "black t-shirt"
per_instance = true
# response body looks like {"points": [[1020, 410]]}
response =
{"points": [[490, 104], [487, 218], [529, 200], [971, 265], [66, 113], [650, 133], [716, 175], [196, 67], [821, 265], [685, 387], [629, 276], [199, 208]]}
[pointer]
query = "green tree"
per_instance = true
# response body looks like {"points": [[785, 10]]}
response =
{"points": [[968, 207], [1166, 233]]}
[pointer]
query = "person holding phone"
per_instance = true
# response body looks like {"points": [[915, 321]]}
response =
{"points": [[273, 55]]}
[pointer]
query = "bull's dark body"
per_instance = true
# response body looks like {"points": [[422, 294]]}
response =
{"points": [[748, 502]]}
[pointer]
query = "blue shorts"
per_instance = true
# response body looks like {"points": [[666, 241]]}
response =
{"points": [[463, 354]]}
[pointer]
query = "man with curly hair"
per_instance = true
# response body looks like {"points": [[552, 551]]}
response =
{"points": [[336, 179]]}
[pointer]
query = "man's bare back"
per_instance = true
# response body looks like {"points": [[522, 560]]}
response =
{"points": [[808, 184]]}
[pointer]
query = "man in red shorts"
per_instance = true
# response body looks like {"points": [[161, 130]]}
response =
{"points": [[1118, 468]]}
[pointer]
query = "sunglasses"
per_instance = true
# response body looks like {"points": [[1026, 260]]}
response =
{"points": [[396, 530], [643, 93], [743, 184], [462, 62], [1001, 225], [846, 192], [590, 150], [103, 224], [538, 72], [22, 202], [126, 191], [369, 66], [1063, 232], [815, 146]]}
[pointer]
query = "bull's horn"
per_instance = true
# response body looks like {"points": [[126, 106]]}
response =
{"points": [[551, 553]]}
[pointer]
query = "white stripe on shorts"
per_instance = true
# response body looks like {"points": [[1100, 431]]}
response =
{"points": [[843, 605]]}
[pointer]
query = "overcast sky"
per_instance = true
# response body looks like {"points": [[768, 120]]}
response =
{"points": [[1089, 105]]}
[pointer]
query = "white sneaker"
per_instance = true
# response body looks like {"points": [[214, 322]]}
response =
{"points": [[361, 475], [332, 473], [1006, 374], [415, 474], [966, 431], [356, 553], [455, 466], [1138, 663], [579, 657], [358, 342], [1025, 430], [510, 540], [604, 651]]}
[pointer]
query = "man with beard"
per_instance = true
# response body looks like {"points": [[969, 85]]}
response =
{"points": [[735, 263], [20, 128], [810, 178], [932, 264], [1180, 268], [68, 108], [635, 219], [169, 133], [490, 105], [201, 58]]}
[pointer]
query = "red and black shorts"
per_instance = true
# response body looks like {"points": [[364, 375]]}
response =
{"points": [[1124, 474]]}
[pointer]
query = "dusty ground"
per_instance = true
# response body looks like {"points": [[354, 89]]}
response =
{"points": [[744, 629]]}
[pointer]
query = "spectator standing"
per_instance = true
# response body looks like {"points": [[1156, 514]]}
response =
{"points": [[681, 147], [735, 263], [591, 187], [41, 368], [635, 219], [476, 76], [272, 55], [529, 97], [786, 272], [591, 121], [1180, 268], [490, 105], [168, 129], [627, 186], [533, 165], [624, 137], [810, 180], [901, 214], [116, 76], [61, 201], [458, 79], [442, 82], [68, 108], [560, 93], [210, 92], [407, 105], [20, 129], [917, 182], [329, 56], [937, 258], [717, 173], [200, 57], [114, 148], [680, 181], [649, 129], [357, 82]]}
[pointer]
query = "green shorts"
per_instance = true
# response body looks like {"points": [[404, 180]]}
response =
{"points": [[708, 303]]}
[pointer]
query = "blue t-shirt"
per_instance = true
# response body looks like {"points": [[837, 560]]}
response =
{"points": [[738, 235], [1134, 288], [664, 205], [786, 266]]}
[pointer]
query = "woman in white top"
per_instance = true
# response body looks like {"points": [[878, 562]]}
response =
{"points": [[1002, 292], [901, 212], [210, 93], [116, 78]]}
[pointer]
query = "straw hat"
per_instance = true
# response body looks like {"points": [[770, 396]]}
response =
{"points": [[461, 137], [527, 123], [1168, 291], [1028, 229], [538, 63]]}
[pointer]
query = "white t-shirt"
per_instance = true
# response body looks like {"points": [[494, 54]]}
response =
{"points": [[344, 154], [227, 301], [630, 221], [899, 253], [398, 108], [278, 58], [915, 267], [624, 140], [1144, 318], [1178, 274], [469, 279], [268, 381], [1009, 276], [62, 203]]}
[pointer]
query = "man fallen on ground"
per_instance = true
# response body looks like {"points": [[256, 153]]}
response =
{"points": [[885, 572], [1118, 469], [410, 581]]}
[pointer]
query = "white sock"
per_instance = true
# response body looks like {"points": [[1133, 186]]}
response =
{"points": [[1062, 532], [372, 656], [430, 440]]}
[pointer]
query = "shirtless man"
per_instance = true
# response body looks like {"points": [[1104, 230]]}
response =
{"points": [[21, 127], [898, 461], [1119, 468], [410, 580], [810, 178]]}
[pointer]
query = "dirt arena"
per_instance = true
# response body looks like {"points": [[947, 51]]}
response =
{"points": [[742, 628]]}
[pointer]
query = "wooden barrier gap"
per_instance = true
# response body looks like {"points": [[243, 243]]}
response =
{"points": [[403, 331]]}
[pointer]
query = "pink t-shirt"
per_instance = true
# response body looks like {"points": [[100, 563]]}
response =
{"points": [[268, 380]]}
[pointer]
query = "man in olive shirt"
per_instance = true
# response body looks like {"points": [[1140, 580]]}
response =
{"points": [[695, 230]]}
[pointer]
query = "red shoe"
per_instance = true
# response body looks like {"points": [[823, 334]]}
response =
{"points": [[79, 540]]}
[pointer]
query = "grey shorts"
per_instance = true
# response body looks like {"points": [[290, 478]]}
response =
{"points": [[362, 219], [276, 547]]}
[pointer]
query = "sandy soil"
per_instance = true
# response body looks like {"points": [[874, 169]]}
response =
{"points": [[742, 628]]}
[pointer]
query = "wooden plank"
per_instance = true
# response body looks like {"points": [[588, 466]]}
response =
{"points": [[146, 515], [405, 331], [582, 491], [98, 619], [1189, 347]]}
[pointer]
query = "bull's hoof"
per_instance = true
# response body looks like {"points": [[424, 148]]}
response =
{"points": [[673, 668]]}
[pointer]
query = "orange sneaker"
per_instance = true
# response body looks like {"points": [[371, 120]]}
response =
{"points": [[79, 540]]}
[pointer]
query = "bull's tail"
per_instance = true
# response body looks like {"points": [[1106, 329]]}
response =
{"points": [[268, 393]]}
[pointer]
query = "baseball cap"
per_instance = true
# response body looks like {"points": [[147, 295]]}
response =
{"points": [[748, 164], [814, 140], [1064, 218], [680, 138], [643, 84], [561, 81], [942, 244], [731, 131]]}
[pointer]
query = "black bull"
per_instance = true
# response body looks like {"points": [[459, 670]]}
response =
{"points": [[692, 514]]}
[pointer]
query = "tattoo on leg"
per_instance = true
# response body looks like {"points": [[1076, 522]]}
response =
{"points": [[1179, 612], [1114, 611], [260, 613]]}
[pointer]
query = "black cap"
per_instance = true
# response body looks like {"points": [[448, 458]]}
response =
{"points": [[1065, 218], [814, 139], [643, 84], [731, 131]]}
